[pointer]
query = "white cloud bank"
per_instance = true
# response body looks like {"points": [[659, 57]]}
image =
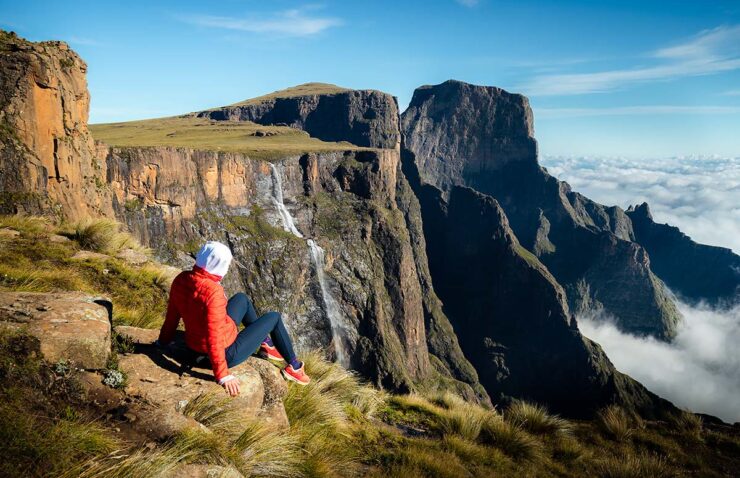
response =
{"points": [[699, 370], [701, 196]]}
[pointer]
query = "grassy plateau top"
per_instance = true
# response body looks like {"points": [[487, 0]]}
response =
{"points": [[258, 141]]}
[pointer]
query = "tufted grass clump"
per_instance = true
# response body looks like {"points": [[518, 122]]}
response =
{"points": [[535, 419], [688, 423], [322, 415], [103, 236], [616, 422], [512, 440], [632, 465], [32, 225], [460, 417]]}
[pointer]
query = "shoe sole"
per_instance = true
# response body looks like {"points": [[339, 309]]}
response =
{"points": [[291, 378], [275, 361]]}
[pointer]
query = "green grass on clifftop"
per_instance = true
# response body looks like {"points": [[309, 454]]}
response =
{"points": [[207, 135], [306, 89]]}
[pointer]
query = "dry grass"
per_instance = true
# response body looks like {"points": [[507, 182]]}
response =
{"points": [[688, 423], [535, 419], [250, 447], [616, 422], [632, 465], [25, 224], [31, 263], [512, 440], [321, 416], [103, 235], [23, 279]]}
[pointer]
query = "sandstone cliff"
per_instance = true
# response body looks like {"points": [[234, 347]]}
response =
{"points": [[46, 153], [483, 138]]}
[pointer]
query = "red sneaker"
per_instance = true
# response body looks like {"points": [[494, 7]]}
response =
{"points": [[270, 353], [298, 376]]}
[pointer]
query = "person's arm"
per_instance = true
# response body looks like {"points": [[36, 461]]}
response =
{"points": [[216, 313], [171, 321]]}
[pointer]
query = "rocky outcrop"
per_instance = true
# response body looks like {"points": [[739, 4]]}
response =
{"points": [[509, 312], [482, 138], [696, 272], [361, 117], [165, 378], [46, 152], [71, 327]]}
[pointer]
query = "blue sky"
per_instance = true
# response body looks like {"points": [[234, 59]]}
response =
{"points": [[632, 78]]}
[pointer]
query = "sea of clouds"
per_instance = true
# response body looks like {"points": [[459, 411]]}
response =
{"points": [[700, 369], [701, 196]]}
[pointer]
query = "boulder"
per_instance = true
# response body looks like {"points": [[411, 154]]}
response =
{"points": [[133, 257], [162, 376], [157, 377], [69, 326], [57, 239], [6, 232]]}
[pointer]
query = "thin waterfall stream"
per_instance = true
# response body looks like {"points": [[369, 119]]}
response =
{"points": [[331, 306]]}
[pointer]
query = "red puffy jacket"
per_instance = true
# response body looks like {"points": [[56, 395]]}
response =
{"points": [[197, 297]]}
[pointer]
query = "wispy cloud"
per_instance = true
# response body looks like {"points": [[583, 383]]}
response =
{"points": [[468, 3], [550, 113], [732, 93], [709, 52], [294, 22], [83, 41]]}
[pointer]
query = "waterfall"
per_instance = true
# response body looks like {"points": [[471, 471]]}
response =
{"points": [[277, 200], [331, 306]]}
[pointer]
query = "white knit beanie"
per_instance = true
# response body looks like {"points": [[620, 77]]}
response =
{"points": [[214, 257]]}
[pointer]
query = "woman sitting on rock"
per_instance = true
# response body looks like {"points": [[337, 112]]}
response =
{"points": [[212, 323]]}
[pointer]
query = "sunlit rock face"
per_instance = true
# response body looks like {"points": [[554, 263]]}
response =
{"points": [[47, 156]]}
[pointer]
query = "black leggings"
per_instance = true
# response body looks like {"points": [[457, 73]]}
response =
{"points": [[241, 311]]}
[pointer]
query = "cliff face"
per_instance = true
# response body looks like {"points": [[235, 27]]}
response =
{"points": [[345, 202], [361, 117], [46, 153], [694, 271], [482, 138], [509, 312]]}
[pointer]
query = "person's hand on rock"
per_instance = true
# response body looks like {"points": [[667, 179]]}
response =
{"points": [[232, 387]]}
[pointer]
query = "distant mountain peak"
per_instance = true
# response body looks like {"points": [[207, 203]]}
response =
{"points": [[641, 210]]}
